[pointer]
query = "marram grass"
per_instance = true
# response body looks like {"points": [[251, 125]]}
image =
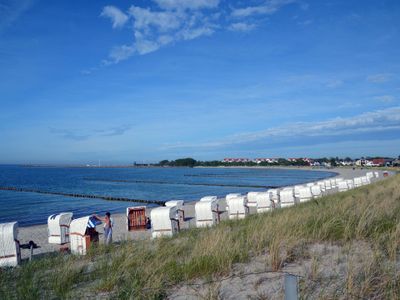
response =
{"points": [[145, 269]]}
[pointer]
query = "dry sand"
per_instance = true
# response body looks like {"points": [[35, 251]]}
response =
{"points": [[39, 235]]}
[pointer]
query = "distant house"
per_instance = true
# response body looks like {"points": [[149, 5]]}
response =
{"points": [[363, 162], [378, 162], [236, 160], [267, 160]]}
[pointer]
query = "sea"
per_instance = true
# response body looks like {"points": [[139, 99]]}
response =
{"points": [[189, 184]]}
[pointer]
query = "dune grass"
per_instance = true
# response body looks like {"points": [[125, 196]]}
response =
{"points": [[145, 269]]}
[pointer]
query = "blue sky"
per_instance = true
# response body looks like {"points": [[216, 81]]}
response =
{"points": [[126, 81]]}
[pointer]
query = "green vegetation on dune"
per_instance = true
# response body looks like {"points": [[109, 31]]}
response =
{"points": [[145, 269]]}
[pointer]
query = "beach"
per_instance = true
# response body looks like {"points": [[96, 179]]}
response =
{"points": [[39, 233]]}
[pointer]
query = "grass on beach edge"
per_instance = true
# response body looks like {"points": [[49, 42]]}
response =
{"points": [[145, 269]]}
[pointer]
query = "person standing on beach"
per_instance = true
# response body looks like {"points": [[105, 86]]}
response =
{"points": [[108, 225]]}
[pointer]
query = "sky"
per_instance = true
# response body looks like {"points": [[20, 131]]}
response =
{"points": [[142, 81]]}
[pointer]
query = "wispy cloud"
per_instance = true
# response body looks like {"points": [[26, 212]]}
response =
{"points": [[242, 26], [334, 83], [366, 123], [379, 78], [117, 17], [187, 4], [82, 135], [170, 21], [11, 10], [266, 8], [385, 98]]}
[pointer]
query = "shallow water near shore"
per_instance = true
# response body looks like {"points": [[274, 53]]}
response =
{"points": [[189, 184]]}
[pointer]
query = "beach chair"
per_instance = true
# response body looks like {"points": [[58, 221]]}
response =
{"points": [[343, 186], [333, 183], [337, 180], [10, 252], [237, 207], [83, 234], [252, 199], [350, 184], [264, 202], [274, 196], [357, 182], [296, 190], [310, 184], [58, 228], [207, 211], [164, 221], [316, 191], [370, 175], [376, 174], [180, 212], [322, 186], [305, 194], [365, 180], [287, 197], [328, 185], [136, 218]]}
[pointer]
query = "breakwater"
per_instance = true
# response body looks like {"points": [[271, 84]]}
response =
{"points": [[180, 183], [107, 198]]}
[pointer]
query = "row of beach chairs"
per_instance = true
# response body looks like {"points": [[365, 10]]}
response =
{"points": [[168, 220]]}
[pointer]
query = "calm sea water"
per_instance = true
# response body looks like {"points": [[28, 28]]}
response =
{"points": [[177, 183]]}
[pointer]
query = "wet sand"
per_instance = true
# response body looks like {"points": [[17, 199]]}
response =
{"points": [[39, 234]]}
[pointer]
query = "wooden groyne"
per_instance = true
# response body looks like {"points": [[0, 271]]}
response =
{"points": [[180, 183], [108, 198]]}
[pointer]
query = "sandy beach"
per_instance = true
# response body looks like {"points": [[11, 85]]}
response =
{"points": [[39, 234]]}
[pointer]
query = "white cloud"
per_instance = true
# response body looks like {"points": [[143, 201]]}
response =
{"points": [[119, 53], [171, 21], [334, 83], [266, 8], [174, 21], [187, 4], [370, 122], [117, 17], [379, 78], [385, 98], [242, 26]]}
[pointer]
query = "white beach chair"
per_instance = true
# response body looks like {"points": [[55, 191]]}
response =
{"points": [[164, 221], [322, 186], [207, 211], [58, 228], [310, 184], [328, 185], [252, 199], [365, 180], [376, 174], [370, 175], [357, 182], [79, 239], [287, 197], [350, 183], [264, 202], [297, 189], [305, 194], [343, 186], [232, 195], [180, 212], [10, 253], [338, 180], [316, 191], [237, 207], [274, 196], [333, 183]]}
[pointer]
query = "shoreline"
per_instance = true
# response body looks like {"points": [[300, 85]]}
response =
{"points": [[38, 233]]}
